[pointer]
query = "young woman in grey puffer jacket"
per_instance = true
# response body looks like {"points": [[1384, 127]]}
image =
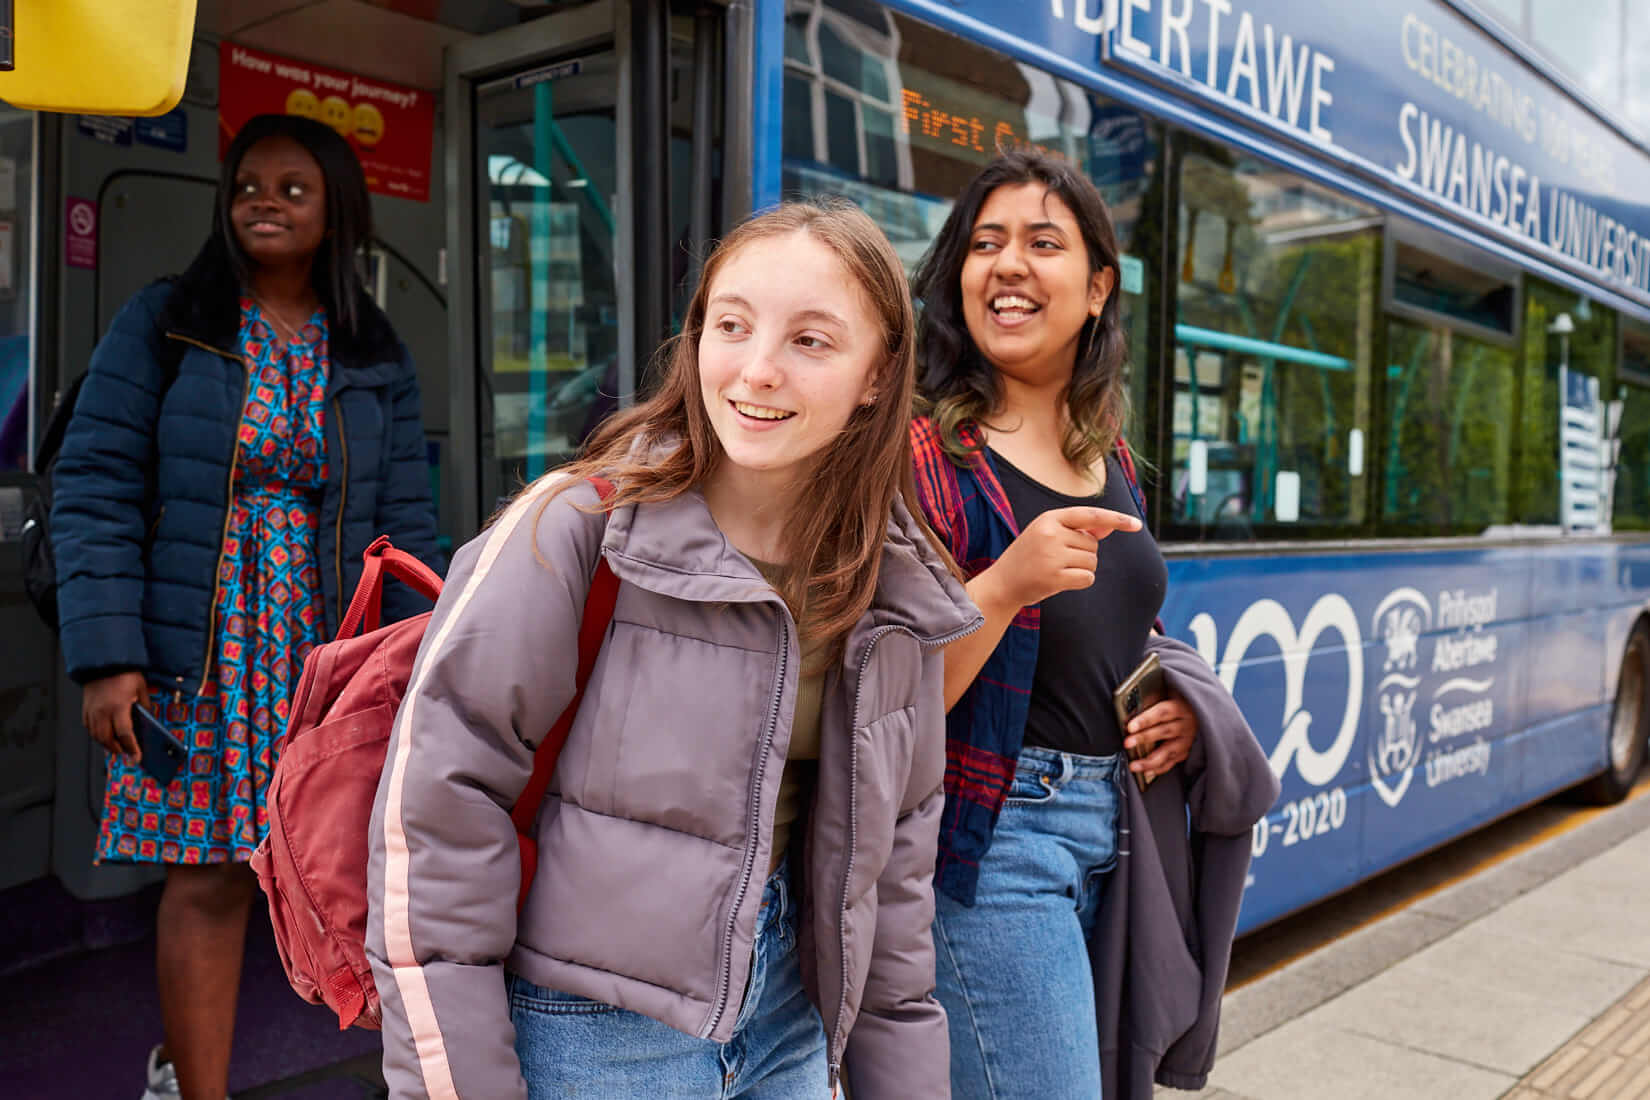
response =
{"points": [[733, 896]]}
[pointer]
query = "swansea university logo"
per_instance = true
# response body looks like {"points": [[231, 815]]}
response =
{"points": [[1399, 621]]}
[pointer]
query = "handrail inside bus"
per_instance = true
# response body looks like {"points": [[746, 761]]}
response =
{"points": [[1248, 345]]}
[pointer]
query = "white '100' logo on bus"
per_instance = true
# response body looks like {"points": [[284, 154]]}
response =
{"points": [[1268, 618]]}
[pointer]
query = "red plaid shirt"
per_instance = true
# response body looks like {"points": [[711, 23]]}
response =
{"points": [[967, 507]]}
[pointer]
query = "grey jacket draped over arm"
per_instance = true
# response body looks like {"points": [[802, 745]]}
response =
{"points": [[1164, 939]]}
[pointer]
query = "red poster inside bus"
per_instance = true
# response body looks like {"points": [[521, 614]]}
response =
{"points": [[391, 127]]}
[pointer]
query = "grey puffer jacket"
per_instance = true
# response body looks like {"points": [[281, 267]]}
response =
{"points": [[655, 836]]}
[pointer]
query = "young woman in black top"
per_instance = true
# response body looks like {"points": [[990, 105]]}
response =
{"points": [[1021, 362]]}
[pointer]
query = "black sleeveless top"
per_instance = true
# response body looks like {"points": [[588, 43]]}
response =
{"points": [[1090, 639]]}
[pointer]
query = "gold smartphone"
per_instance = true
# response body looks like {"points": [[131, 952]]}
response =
{"points": [[1144, 688]]}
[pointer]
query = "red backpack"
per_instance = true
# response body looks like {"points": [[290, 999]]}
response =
{"points": [[338, 733]]}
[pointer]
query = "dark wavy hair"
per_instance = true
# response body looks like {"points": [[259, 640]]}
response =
{"points": [[957, 385], [222, 268]]}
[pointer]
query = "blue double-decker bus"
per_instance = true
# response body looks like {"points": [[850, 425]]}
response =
{"points": [[1387, 277]]}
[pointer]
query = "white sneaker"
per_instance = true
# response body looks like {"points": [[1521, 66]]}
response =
{"points": [[163, 1079]]}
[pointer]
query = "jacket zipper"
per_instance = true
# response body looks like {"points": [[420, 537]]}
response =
{"points": [[228, 512], [343, 496], [203, 345], [853, 846], [837, 1044], [725, 979]]}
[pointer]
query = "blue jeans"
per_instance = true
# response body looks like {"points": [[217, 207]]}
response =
{"points": [[1013, 970], [573, 1046]]}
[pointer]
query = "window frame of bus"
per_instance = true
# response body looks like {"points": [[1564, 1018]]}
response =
{"points": [[1637, 376], [1402, 231], [1607, 372], [24, 281], [1184, 538]]}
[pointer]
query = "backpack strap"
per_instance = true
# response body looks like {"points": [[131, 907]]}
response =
{"points": [[368, 602], [598, 614], [51, 440]]}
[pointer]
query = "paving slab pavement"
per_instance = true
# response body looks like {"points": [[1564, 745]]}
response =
{"points": [[1529, 981]]}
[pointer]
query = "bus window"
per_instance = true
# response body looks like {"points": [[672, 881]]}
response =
{"points": [[1631, 491], [1585, 40], [1446, 462], [1569, 348], [1451, 403], [1273, 342], [16, 353], [552, 333], [1459, 292]]}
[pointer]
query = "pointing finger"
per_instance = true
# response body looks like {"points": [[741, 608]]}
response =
{"points": [[1097, 522]]}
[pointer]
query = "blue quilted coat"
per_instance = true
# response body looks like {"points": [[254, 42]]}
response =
{"points": [[141, 486]]}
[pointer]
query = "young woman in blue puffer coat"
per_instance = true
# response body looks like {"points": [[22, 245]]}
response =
{"points": [[243, 432]]}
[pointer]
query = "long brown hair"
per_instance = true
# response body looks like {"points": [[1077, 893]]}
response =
{"points": [[958, 385], [833, 543]]}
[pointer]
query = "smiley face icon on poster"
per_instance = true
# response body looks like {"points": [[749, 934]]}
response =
{"points": [[369, 125], [302, 102], [335, 112]]}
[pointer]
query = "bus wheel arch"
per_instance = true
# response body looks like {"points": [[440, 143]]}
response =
{"points": [[1628, 738]]}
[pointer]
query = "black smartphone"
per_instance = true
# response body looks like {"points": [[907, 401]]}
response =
{"points": [[1143, 688], [163, 753]]}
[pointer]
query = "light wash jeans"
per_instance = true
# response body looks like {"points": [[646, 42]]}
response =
{"points": [[1013, 969], [573, 1046]]}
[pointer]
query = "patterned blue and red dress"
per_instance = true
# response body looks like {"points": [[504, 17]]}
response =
{"points": [[268, 615]]}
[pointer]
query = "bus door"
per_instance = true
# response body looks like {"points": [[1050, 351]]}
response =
{"points": [[584, 153], [26, 681]]}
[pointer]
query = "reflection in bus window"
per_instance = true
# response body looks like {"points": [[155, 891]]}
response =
{"points": [[550, 363], [1569, 346], [899, 116], [1272, 352], [16, 360], [1636, 78], [1452, 290], [1451, 404], [1585, 40], [1511, 12], [1631, 490]]}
